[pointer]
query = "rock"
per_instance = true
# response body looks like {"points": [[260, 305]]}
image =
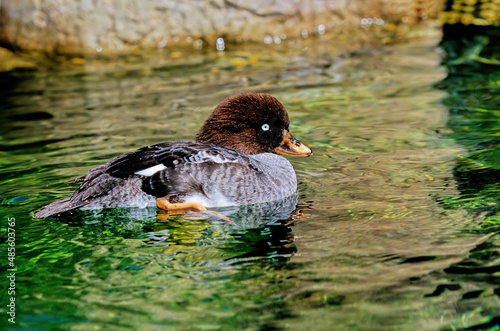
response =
{"points": [[110, 26]]}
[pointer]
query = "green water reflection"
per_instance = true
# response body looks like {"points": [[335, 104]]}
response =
{"points": [[365, 247]]}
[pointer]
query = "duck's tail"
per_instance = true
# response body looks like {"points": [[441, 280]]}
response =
{"points": [[56, 208]]}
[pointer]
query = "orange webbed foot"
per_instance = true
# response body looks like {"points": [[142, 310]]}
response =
{"points": [[164, 204], [176, 208]]}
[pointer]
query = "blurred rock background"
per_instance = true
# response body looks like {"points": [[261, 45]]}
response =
{"points": [[111, 26], [32, 31]]}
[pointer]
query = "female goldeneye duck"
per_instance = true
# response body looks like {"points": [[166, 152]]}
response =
{"points": [[234, 161]]}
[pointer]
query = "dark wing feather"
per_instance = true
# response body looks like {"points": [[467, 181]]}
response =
{"points": [[127, 164]]}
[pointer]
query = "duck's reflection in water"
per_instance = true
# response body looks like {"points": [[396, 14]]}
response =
{"points": [[260, 230], [231, 234]]}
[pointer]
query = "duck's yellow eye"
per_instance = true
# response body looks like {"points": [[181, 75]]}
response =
{"points": [[265, 127]]}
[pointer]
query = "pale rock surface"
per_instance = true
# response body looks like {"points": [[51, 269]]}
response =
{"points": [[109, 26]]}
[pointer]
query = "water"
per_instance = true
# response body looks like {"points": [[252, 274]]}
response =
{"points": [[365, 246]]}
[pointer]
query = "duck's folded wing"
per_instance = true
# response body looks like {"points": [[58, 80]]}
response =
{"points": [[150, 160], [179, 169]]}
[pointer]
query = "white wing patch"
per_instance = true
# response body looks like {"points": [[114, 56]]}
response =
{"points": [[148, 172]]}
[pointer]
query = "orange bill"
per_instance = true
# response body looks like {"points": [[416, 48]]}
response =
{"points": [[292, 147]]}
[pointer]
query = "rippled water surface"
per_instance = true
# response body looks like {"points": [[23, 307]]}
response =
{"points": [[363, 248]]}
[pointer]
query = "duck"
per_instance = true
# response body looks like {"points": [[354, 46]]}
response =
{"points": [[236, 159]]}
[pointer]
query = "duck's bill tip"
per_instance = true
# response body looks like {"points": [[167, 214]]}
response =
{"points": [[292, 147]]}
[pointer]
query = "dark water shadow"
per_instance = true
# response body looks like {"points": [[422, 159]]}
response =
{"points": [[470, 55]]}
